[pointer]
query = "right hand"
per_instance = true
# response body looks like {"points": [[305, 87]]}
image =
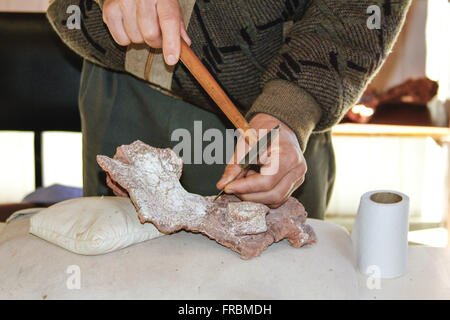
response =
{"points": [[158, 23]]}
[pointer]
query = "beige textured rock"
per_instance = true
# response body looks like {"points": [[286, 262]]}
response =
{"points": [[150, 177]]}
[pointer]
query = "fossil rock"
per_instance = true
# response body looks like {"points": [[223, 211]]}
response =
{"points": [[409, 94], [150, 177]]}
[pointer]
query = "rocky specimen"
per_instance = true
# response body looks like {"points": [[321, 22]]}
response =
{"points": [[418, 91], [412, 92], [150, 177]]}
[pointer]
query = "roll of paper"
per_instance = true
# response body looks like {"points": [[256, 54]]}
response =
{"points": [[380, 234]]}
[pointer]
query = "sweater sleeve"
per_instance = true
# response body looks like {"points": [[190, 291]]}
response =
{"points": [[91, 39], [328, 57]]}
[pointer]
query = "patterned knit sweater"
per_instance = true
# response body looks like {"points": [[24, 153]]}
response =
{"points": [[305, 62]]}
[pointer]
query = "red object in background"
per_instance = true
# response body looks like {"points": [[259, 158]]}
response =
{"points": [[415, 92]]}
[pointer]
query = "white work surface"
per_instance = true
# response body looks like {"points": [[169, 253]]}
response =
{"points": [[190, 266]]}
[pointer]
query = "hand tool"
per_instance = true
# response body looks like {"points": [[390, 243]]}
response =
{"points": [[207, 81], [252, 156]]}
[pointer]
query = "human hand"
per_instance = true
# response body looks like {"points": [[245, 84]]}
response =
{"points": [[282, 172], [158, 23]]}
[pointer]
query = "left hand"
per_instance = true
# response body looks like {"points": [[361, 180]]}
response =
{"points": [[270, 187]]}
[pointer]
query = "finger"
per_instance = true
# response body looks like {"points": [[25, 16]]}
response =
{"points": [[253, 184], [264, 156], [231, 171], [250, 173], [184, 34], [273, 149], [279, 194], [170, 23], [233, 167], [269, 176], [147, 19], [112, 16], [130, 24]]}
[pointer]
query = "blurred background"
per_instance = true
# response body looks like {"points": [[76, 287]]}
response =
{"points": [[397, 137]]}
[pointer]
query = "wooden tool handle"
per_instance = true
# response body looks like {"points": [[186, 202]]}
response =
{"points": [[206, 80]]}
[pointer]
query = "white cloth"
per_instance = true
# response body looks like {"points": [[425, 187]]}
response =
{"points": [[190, 266], [179, 266]]}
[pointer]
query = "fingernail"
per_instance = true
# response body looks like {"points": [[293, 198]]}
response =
{"points": [[229, 190], [171, 59]]}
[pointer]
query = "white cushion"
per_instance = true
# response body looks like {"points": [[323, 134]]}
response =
{"points": [[92, 225]]}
